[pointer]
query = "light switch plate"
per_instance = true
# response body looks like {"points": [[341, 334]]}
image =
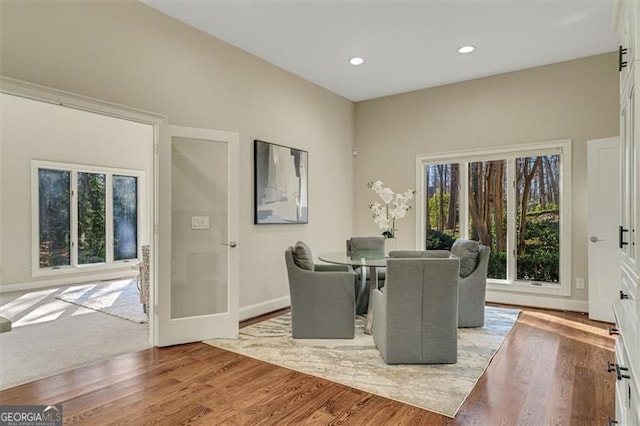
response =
{"points": [[199, 222]]}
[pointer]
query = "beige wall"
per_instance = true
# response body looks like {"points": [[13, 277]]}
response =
{"points": [[575, 100], [33, 130], [130, 54]]}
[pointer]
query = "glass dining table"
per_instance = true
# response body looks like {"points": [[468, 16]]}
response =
{"points": [[368, 260]]}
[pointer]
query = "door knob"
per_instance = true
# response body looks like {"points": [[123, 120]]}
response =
{"points": [[595, 239], [231, 244]]}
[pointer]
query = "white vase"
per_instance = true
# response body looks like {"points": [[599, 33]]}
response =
{"points": [[390, 244]]}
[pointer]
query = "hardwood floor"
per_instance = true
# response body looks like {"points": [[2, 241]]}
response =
{"points": [[551, 370]]}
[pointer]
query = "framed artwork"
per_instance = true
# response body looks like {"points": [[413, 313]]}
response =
{"points": [[280, 184]]}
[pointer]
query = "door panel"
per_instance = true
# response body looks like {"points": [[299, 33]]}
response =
{"points": [[198, 218], [604, 212]]}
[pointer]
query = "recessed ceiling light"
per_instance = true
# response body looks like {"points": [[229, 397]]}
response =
{"points": [[466, 49], [356, 61]]}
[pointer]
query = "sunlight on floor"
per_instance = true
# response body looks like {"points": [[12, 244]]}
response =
{"points": [[50, 311], [23, 303], [570, 323], [44, 325], [25, 309], [39, 307], [109, 294], [581, 332], [45, 313]]}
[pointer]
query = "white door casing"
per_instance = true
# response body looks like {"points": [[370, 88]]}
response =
{"points": [[603, 216], [198, 229]]}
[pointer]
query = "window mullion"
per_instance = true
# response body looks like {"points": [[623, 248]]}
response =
{"points": [[109, 217], [463, 196], [74, 219], [511, 220]]}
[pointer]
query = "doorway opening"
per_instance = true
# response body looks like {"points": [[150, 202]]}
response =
{"points": [[77, 196]]}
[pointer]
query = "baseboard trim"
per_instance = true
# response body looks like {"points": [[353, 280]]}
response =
{"points": [[53, 282], [538, 301], [252, 311]]}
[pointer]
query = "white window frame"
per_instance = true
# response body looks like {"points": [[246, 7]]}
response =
{"points": [[559, 147], [74, 267]]}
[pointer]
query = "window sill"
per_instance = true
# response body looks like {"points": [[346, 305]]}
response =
{"points": [[86, 269], [521, 287]]}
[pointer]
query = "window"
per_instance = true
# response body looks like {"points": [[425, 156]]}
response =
{"points": [[86, 217], [125, 217], [54, 202], [92, 241], [443, 211], [487, 200], [514, 200]]}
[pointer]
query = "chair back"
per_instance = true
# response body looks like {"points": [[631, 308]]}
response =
{"points": [[472, 292], [365, 246], [293, 273], [483, 260], [420, 253], [421, 296]]}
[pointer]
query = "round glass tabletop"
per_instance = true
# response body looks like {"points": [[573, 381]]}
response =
{"points": [[361, 258]]}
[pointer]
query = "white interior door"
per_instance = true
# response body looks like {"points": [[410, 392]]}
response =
{"points": [[604, 215], [198, 210]]}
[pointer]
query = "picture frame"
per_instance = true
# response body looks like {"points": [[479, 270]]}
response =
{"points": [[280, 184]]}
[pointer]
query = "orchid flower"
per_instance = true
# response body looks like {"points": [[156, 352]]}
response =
{"points": [[395, 207]]}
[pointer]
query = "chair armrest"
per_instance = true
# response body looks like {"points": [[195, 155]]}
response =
{"points": [[319, 285], [327, 278], [327, 267]]}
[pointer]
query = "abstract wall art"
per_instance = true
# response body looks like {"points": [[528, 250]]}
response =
{"points": [[281, 184]]}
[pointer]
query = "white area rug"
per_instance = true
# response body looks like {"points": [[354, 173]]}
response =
{"points": [[358, 364], [119, 298]]}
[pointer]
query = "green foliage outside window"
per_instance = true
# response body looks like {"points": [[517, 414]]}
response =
{"points": [[54, 204], [536, 222], [437, 240], [541, 261], [91, 218], [55, 220]]}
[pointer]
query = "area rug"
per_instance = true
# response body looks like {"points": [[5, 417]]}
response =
{"points": [[358, 364], [119, 298]]}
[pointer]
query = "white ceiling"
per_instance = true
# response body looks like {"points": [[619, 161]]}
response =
{"points": [[406, 45]]}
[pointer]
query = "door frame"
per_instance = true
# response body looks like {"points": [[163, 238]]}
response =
{"points": [[25, 89]]}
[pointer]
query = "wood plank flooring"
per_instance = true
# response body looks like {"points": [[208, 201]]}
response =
{"points": [[551, 370]]}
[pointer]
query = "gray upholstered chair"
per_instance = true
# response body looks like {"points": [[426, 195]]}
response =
{"points": [[362, 247], [420, 253], [415, 316], [365, 245], [474, 261], [322, 297]]}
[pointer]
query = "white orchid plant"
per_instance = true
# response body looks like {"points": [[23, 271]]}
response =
{"points": [[395, 207]]}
